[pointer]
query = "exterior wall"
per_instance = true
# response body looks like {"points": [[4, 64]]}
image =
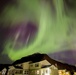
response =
{"points": [[35, 72], [11, 67], [38, 65], [44, 71], [45, 62], [74, 73], [21, 72], [11, 72], [32, 72], [18, 71], [25, 65], [54, 72]]}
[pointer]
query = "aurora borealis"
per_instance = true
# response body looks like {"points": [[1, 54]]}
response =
{"points": [[30, 26]]}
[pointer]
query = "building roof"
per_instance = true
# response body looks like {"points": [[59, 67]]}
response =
{"points": [[45, 66], [18, 67], [34, 58]]}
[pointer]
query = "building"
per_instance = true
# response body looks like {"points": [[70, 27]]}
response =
{"points": [[39, 64], [32, 65], [29, 68], [74, 73]]}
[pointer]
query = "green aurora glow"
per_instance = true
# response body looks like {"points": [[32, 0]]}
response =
{"points": [[53, 28]]}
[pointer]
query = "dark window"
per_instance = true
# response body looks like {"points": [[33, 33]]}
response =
{"points": [[26, 72], [21, 72], [37, 65]]}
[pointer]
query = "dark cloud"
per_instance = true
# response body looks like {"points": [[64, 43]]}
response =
{"points": [[66, 56], [4, 59]]}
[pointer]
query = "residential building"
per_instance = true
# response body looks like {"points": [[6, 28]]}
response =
{"points": [[74, 73], [39, 64]]}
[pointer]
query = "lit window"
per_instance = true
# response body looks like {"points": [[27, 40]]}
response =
{"points": [[37, 71]]}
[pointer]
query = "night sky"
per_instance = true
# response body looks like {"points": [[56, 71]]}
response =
{"points": [[44, 26]]}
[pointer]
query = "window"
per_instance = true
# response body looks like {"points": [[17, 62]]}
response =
{"points": [[21, 71], [37, 65], [18, 71], [37, 72], [46, 71], [26, 72]]}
